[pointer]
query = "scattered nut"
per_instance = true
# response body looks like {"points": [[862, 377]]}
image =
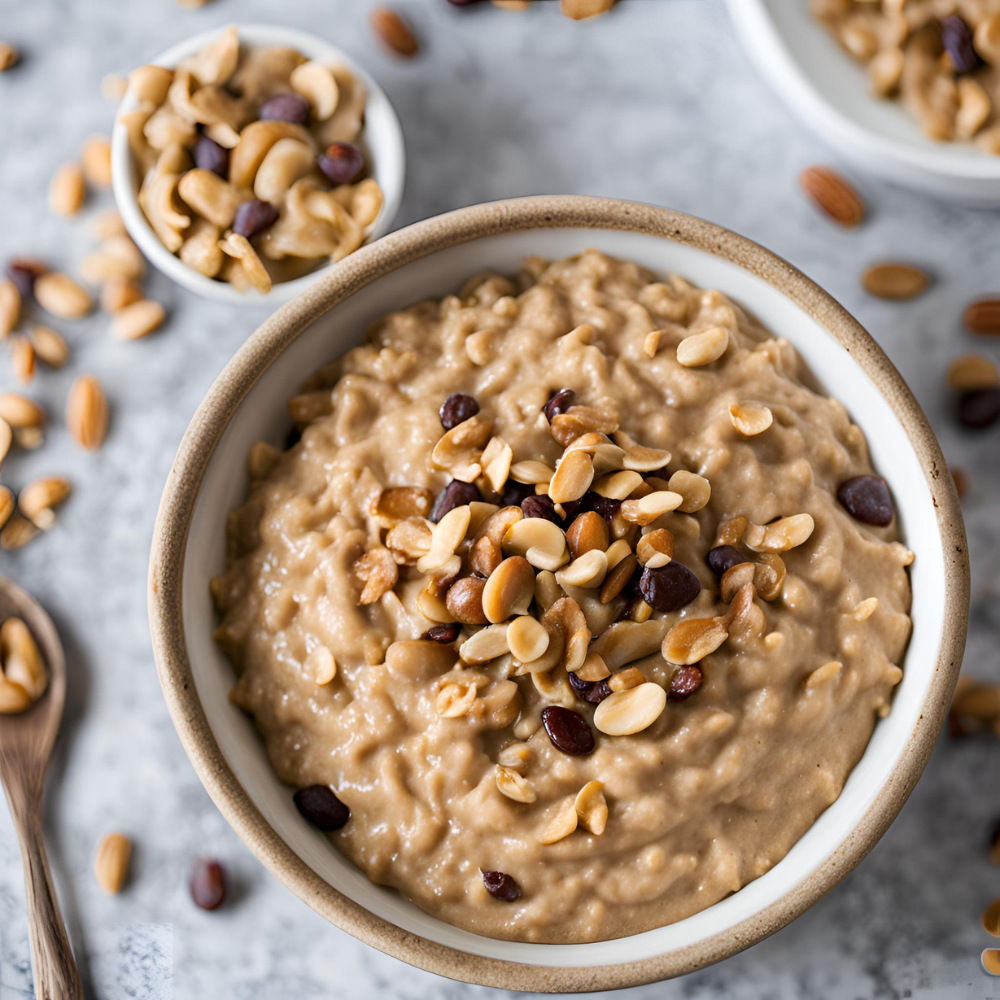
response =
{"points": [[10, 307], [8, 56], [833, 195], [49, 346], [137, 320], [42, 495], [60, 295], [111, 862], [894, 281], [972, 372], [67, 190], [119, 293], [86, 413], [96, 160], [22, 660], [655, 549], [394, 31], [22, 359], [695, 490], [19, 411], [983, 317], [649, 508], [485, 645], [208, 882]]}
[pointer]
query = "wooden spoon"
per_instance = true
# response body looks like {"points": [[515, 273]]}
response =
{"points": [[25, 747]]}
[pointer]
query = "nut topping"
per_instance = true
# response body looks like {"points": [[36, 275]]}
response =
{"points": [[750, 418], [540, 541], [562, 824], [779, 536], [464, 601], [649, 508], [589, 531], [631, 711], [456, 700], [509, 590], [655, 549], [514, 786], [376, 569], [572, 478], [527, 638], [703, 348], [692, 640], [589, 570], [592, 808]]}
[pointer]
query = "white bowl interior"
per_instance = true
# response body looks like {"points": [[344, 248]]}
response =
{"points": [[829, 91], [262, 415], [382, 135]]}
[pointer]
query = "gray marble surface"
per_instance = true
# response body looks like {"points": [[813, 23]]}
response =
{"points": [[655, 102]]}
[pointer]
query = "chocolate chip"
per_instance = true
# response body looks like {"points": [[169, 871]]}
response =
{"points": [[501, 886], [254, 215], [443, 633], [23, 271], [684, 683], [604, 506], [456, 408], [867, 499], [514, 494], [208, 884], [292, 438], [558, 403], [455, 494], [669, 588], [209, 155], [285, 108], [321, 807], [568, 731], [979, 409], [539, 506], [956, 36], [724, 557], [591, 691], [341, 162]]}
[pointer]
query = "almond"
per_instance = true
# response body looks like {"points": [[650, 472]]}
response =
{"points": [[49, 346], [833, 195], [67, 190], [983, 317], [394, 31], [971, 372], [87, 413], [895, 281], [111, 862]]}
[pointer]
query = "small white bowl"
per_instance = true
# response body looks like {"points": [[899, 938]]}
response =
{"points": [[248, 403], [382, 133], [828, 90]]}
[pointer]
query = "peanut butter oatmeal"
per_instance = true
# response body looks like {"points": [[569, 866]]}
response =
{"points": [[941, 57], [574, 605]]}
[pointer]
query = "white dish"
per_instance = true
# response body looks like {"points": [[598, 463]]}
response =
{"points": [[432, 258], [383, 136], [828, 90]]}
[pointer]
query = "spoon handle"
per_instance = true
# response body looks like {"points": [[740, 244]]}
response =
{"points": [[56, 975]]}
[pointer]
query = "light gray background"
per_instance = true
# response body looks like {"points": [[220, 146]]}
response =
{"points": [[655, 102]]}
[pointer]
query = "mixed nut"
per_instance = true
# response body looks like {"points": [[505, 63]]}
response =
{"points": [[251, 161]]}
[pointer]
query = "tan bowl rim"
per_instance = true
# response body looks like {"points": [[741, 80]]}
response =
{"points": [[375, 261]]}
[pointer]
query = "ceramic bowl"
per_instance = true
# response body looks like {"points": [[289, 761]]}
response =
{"points": [[382, 134], [430, 259], [828, 90]]}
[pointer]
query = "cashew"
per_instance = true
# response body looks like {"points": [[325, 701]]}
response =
{"points": [[210, 196], [255, 142], [201, 250], [158, 202], [344, 125], [287, 161], [317, 84], [216, 62]]}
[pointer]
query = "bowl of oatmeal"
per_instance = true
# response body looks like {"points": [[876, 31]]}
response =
{"points": [[507, 580], [246, 161], [907, 92]]}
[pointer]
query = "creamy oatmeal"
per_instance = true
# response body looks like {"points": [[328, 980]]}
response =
{"points": [[252, 161], [574, 605], [940, 57]]}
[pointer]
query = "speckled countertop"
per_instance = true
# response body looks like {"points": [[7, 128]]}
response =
{"points": [[655, 102]]}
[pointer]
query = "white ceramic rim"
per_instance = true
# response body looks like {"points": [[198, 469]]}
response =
{"points": [[765, 46], [388, 162]]}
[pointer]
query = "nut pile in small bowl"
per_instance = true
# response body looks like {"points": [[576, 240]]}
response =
{"points": [[253, 162]]}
